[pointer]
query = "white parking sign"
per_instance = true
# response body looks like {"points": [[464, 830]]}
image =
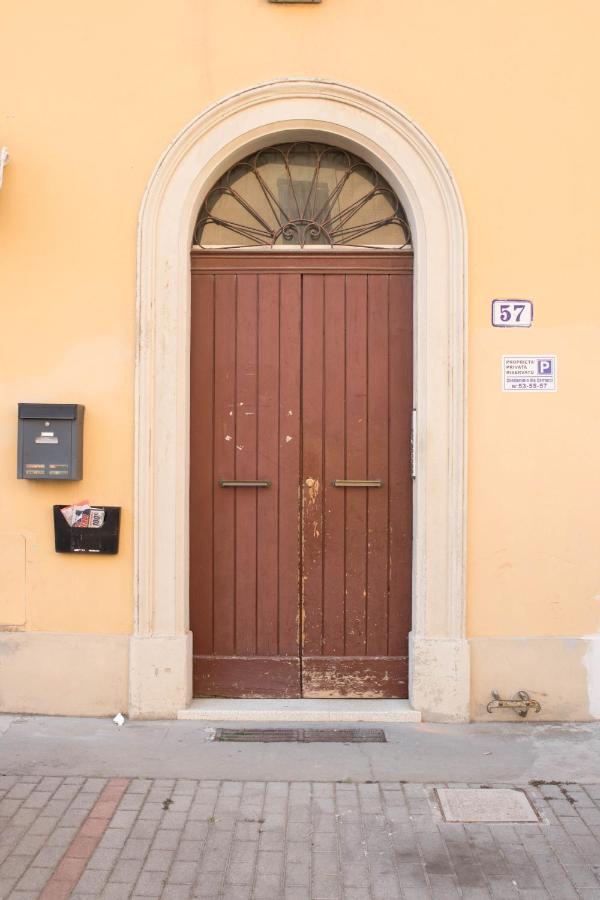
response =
{"points": [[529, 374]]}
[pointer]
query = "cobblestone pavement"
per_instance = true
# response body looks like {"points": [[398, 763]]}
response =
{"points": [[119, 838]]}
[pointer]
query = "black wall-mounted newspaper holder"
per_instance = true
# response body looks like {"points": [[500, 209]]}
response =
{"points": [[97, 541]]}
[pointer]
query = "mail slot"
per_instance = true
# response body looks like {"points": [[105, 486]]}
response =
{"points": [[50, 441], [98, 537]]}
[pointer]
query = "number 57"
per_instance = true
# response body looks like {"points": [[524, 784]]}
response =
{"points": [[507, 309], [512, 312]]}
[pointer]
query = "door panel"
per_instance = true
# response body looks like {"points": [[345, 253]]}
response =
{"points": [[300, 378], [349, 408], [244, 559]]}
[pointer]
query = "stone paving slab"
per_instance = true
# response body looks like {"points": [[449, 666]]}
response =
{"points": [[180, 839], [485, 805]]}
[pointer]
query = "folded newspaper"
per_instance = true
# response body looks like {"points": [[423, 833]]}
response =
{"points": [[82, 515]]}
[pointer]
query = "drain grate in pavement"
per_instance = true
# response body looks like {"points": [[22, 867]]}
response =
{"points": [[485, 805], [303, 735]]}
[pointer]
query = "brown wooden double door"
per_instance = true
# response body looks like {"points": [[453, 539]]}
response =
{"points": [[301, 376]]}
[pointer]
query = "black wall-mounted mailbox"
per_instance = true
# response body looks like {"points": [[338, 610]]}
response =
{"points": [[50, 445]]}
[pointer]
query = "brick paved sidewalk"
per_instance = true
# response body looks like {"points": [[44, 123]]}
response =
{"points": [[118, 838]]}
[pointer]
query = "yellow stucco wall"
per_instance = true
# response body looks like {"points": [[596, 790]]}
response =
{"points": [[91, 96]]}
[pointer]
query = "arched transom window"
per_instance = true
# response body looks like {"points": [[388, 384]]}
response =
{"points": [[301, 194]]}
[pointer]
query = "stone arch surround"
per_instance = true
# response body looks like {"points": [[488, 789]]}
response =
{"points": [[160, 654]]}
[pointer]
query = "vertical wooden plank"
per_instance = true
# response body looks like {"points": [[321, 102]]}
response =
{"points": [[245, 464], [377, 498], [290, 326], [201, 467], [312, 464], [356, 463], [334, 442], [400, 494], [267, 414], [224, 461]]}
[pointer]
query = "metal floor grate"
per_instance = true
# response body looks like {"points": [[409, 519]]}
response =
{"points": [[303, 735]]}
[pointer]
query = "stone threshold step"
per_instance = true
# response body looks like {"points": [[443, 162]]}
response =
{"points": [[301, 711]]}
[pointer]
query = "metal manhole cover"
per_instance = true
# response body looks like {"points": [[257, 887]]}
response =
{"points": [[303, 735], [485, 805]]}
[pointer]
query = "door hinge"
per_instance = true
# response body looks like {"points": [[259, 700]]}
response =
{"points": [[413, 444]]}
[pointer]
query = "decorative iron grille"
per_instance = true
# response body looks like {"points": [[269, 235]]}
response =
{"points": [[301, 194]]}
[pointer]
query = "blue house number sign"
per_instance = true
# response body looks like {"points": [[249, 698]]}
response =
{"points": [[512, 313]]}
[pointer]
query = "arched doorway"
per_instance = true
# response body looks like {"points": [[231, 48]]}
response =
{"points": [[300, 421], [160, 658]]}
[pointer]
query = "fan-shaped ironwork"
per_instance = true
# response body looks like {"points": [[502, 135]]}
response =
{"points": [[301, 194]]}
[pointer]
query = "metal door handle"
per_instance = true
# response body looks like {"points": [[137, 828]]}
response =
{"points": [[245, 483], [349, 482]]}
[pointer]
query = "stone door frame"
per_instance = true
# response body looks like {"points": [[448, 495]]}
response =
{"points": [[160, 675]]}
